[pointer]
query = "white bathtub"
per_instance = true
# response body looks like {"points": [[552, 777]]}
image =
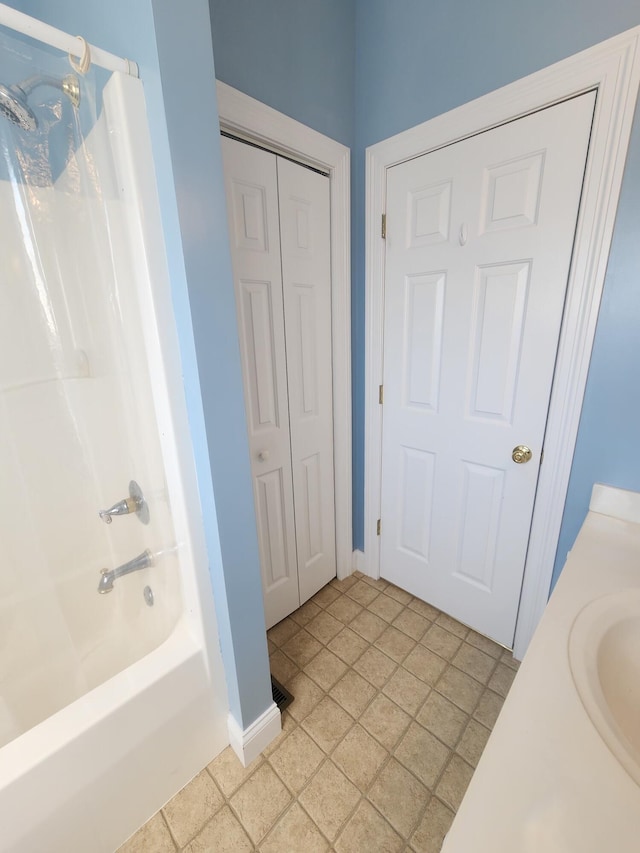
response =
{"points": [[109, 721], [88, 776]]}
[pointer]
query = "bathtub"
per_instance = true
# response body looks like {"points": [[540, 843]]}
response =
{"points": [[108, 704]]}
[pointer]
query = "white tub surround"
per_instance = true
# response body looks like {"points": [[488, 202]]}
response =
{"points": [[109, 704], [547, 781]]}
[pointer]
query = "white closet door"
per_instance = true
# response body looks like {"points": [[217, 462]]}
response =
{"points": [[479, 241], [306, 275], [252, 207]]}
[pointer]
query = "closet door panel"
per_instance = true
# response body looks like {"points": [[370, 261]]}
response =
{"points": [[254, 231], [306, 277]]}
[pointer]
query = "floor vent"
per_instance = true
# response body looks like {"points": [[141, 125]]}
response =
{"points": [[281, 697]]}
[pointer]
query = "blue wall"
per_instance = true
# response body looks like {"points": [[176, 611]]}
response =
{"points": [[416, 60], [172, 44], [296, 56]]}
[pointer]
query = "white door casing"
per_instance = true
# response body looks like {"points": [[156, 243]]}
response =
{"points": [[479, 239], [254, 232], [613, 69], [278, 214], [306, 280]]}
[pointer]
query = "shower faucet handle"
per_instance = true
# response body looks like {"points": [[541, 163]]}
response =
{"points": [[123, 507], [134, 503]]}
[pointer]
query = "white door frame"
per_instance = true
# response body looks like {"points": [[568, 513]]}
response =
{"points": [[252, 120], [613, 68]]}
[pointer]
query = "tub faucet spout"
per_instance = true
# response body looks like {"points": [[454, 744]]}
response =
{"points": [[108, 576]]}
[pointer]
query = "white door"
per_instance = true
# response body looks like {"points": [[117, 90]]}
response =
{"points": [[283, 295], [306, 277], [479, 241]]}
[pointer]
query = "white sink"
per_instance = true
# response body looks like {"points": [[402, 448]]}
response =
{"points": [[604, 656]]}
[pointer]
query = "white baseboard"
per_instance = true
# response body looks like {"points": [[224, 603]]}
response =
{"points": [[357, 561], [248, 744]]}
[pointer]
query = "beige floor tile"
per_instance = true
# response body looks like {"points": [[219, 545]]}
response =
{"points": [[344, 584], [271, 646], [154, 835], [427, 610], [406, 690], [306, 695], [433, 827], [368, 831], [484, 644], [377, 583], [260, 801], [454, 781], [282, 667], [326, 595], [324, 627], [362, 593], [325, 669], [385, 721], [489, 707], [344, 608], [295, 831], [399, 594], [223, 834], [353, 693], [452, 625], [411, 623], [327, 724], [472, 743], [460, 688], [228, 771], [348, 645], [385, 607], [502, 679], [301, 648], [306, 613], [423, 754], [329, 799], [441, 642], [192, 807], [474, 662], [425, 664], [444, 719], [359, 757], [508, 659], [296, 759], [399, 797], [368, 625], [375, 666], [395, 643], [283, 631]]}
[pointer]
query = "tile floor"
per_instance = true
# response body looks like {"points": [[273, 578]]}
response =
{"points": [[394, 702]]}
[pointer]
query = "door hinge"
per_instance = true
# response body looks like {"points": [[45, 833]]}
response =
{"points": [[380, 394], [541, 455], [384, 226], [378, 528]]}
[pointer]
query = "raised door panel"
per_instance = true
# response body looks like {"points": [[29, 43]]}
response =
{"points": [[306, 272], [254, 228]]}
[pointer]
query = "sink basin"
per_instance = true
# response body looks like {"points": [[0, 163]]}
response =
{"points": [[604, 656]]}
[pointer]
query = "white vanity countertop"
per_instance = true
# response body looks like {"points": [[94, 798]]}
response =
{"points": [[547, 782]]}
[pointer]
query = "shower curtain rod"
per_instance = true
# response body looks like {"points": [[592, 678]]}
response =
{"points": [[36, 29]]}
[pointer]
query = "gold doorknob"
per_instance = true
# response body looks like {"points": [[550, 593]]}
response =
{"points": [[521, 454]]}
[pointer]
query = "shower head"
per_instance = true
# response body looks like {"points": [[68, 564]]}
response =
{"points": [[13, 99], [13, 105]]}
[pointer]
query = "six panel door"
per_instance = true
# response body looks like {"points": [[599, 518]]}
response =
{"points": [[479, 241]]}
